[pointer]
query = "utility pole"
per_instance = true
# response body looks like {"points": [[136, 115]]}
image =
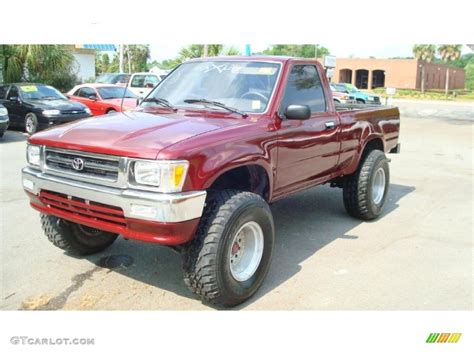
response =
{"points": [[121, 58], [205, 50]]}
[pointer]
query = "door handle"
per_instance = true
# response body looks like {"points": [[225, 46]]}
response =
{"points": [[330, 124]]}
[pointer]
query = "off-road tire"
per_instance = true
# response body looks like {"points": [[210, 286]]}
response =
{"points": [[73, 238], [357, 188], [206, 263]]}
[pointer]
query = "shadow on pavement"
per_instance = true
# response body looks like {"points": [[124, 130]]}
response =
{"points": [[12, 136], [305, 223]]}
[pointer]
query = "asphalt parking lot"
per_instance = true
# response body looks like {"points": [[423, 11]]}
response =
{"points": [[417, 256]]}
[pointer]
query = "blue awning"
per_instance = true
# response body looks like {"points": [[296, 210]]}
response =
{"points": [[101, 47]]}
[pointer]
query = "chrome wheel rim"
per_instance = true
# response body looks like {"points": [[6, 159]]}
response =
{"points": [[378, 186], [246, 251], [29, 124]]}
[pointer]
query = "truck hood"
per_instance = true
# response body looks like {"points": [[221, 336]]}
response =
{"points": [[134, 134]]}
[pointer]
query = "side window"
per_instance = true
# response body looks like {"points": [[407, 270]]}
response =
{"points": [[151, 80], [13, 92], [304, 88], [76, 93], [86, 92], [3, 91], [138, 81]]}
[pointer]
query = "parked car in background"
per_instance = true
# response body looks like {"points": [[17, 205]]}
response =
{"points": [[142, 83], [103, 98], [341, 97], [360, 96], [4, 120], [38, 106], [113, 78]]}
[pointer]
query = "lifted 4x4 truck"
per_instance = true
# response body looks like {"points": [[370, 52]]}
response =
{"points": [[196, 166]]}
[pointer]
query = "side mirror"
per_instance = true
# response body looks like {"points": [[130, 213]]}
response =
{"points": [[149, 85], [14, 99], [298, 112], [93, 97]]}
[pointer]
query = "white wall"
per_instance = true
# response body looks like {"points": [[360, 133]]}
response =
{"points": [[86, 64]]}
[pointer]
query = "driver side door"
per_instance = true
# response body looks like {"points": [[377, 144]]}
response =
{"points": [[308, 149]]}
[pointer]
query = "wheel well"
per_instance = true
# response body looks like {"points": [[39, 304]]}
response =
{"points": [[252, 178], [373, 144], [110, 109]]}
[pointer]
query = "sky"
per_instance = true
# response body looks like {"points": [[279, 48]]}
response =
{"points": [[166, 51]]}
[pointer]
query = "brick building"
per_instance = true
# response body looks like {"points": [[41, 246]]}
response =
{"points": [[398, 73]]}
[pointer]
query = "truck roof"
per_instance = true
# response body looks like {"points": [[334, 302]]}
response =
{"points": [[263, 58]]}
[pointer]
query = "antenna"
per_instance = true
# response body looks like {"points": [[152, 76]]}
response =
{"points": [[123, 96]]}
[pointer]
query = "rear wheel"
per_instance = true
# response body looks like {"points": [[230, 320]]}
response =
{"points": [[365, 191], [230, 256], [31, 123], [74, 238]]}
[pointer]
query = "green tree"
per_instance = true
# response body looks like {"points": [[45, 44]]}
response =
{"points": [[136, 57], [425, 53], [50, 64], [102, 63], [296, 50], [469, 69], [449, 53]]}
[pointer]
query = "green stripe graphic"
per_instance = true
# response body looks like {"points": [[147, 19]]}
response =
{"points": [[432, 337]]}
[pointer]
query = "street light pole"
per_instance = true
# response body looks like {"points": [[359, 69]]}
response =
{"points": [[121, 58]]}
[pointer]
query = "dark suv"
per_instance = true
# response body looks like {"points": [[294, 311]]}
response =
{"points": [[38, 106]]}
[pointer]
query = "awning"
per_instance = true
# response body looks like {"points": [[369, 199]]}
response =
{"points": [[101, 47]]}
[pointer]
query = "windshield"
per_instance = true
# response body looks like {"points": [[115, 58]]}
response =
{"points": [[245, 86], [351, 88], [40, 92], [112, 79], [115, 92]]}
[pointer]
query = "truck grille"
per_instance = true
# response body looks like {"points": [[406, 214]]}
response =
{"points": [[81, 164], [78, 207], [376, 99]]}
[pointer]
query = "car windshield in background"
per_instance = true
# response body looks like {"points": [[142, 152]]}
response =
{"points": [[112, 79], [245, 86], [40, 92], [115, 92]]}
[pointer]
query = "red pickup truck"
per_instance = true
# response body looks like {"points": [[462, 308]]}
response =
{"points": [[197, 164]]}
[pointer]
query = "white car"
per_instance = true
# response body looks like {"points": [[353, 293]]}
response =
{"points": [[142, 83]]}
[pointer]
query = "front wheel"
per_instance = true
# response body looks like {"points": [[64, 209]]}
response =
{"points": [[230, 256], [31, 123], [74, 238], [365, 191]]}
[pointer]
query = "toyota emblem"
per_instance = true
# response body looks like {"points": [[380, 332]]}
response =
{"points": [[78, 164]]}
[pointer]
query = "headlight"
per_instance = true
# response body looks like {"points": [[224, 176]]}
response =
{"points": [[167, 176], [33, 155], [51, 112], [3, 111]]}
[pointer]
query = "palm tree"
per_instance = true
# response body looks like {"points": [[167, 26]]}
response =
{"points": [[448, 53], [199, 50], [36, 62], [424, 53]]}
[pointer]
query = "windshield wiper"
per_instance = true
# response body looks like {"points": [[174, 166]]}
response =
{"points": [[162, 102], [217, 104], [49, 97]]}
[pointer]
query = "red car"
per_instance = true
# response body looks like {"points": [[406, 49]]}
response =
{"points": [[103, 98]]}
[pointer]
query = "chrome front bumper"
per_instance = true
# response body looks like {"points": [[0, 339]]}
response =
{"points": [[151, 206]]}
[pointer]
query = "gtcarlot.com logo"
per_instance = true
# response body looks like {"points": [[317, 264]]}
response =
{"points": [[443, 337]]}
